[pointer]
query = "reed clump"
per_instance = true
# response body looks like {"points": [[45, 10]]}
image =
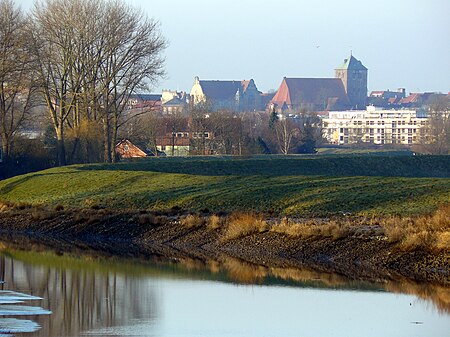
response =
{"points": [[429, 232], [193, 221], [312, 229], [243, 224], [215, 222]]}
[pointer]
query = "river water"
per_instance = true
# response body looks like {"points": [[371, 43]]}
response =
{"points": [[90, 296]]}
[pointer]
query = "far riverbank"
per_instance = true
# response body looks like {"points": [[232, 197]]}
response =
{"points": [[357, 248]]}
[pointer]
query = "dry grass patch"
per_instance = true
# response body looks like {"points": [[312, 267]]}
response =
{"points": [[312, 229], [243, 224], [430, 233], [193, 221], [214, 222]]}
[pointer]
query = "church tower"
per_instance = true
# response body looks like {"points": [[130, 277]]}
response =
{"points": [[354, 77]]}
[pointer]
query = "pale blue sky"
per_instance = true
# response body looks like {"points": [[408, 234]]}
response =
{"points": [[404, 43]]}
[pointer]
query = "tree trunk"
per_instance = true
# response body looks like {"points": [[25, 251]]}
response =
{"points": [[6, 148], [61, 149], [112, 147], [107, 139]]}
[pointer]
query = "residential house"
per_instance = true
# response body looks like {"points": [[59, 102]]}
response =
{"points": [[174, 102], [126, 150], [386, 98], [185, 143]]}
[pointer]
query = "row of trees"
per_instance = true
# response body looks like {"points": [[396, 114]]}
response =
{"points": [[82, 59]]}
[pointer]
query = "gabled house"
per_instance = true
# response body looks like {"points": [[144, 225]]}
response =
{"points": [[227, 95], [126, 149]]}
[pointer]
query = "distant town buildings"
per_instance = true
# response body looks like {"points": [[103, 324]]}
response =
{"points": [[310, 94], [348, 114], [374, 125], [227, 95], [348, 90]]}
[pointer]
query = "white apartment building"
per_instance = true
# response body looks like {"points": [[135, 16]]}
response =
{"points": [[374, 125]]}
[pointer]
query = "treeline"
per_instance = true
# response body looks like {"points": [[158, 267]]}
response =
{"points": [[228, 133], [82, 60]]}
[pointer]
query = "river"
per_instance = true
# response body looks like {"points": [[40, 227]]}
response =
{"points": [[91, 296]]}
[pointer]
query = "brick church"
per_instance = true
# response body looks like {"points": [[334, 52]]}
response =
{"points": [[347, 90]]}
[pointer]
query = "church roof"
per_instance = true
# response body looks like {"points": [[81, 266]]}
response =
{"points": [[294, 91], [351, 63], [220, 89]]}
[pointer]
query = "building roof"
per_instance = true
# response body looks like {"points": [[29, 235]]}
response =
{"points": [[174, 102], [147, 97], [412, 98], [318, 91], [127, 149], [221, 90], [351, 63]]}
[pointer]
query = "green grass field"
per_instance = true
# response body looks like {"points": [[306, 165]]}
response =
{"points": [[293, 185]]}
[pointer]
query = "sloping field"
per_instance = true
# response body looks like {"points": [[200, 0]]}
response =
{"points": [[301, 186]]}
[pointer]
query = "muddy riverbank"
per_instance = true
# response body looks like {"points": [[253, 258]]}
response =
{"points": [[363, 254]]}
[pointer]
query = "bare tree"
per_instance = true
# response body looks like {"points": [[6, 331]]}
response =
{"points": [[56, 46], [92, 57], [435, 135], [16, 73], [132, 61], [286, 130]]}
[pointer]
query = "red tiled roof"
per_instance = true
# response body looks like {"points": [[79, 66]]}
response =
{"points": [[126, 149], [294, 91], [412, 98], [377, 93]]}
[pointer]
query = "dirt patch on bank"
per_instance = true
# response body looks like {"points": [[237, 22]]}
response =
{"points": [[360, 254]]}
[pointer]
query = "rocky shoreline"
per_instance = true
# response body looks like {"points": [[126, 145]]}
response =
{"points": [[361, 255]]}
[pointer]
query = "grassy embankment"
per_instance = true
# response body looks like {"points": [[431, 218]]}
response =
{"points": [[284, 186]]}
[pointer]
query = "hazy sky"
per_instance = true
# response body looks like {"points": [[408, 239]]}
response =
{"points": [[403, 43]]}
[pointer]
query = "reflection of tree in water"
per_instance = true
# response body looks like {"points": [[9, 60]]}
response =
{"points": [[81, 300]]}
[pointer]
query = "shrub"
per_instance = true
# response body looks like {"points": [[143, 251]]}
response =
{"points": [[42, 214], [243, 224], [150, 219]]}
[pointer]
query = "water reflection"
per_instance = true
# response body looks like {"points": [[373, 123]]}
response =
{"points": [[106, 297]]}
